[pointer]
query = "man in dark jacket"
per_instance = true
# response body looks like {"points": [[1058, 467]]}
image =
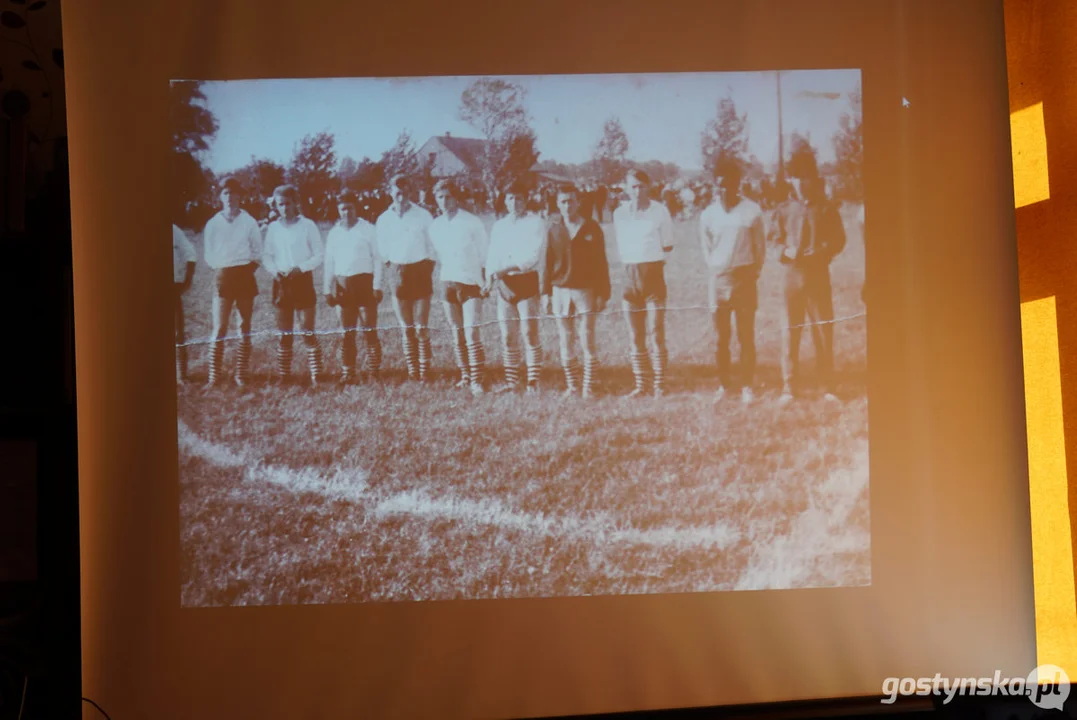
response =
{"points": [[576, 281]]}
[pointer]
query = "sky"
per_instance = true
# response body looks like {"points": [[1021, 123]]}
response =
{"points": [[662, 114]]}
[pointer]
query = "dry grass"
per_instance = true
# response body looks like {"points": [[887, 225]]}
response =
{"points": [[399, 492]]}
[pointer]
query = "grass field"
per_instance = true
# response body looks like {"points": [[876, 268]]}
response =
{"points": [[393, 491]]}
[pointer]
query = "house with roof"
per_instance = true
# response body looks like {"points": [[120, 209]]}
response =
{"points": [[449, 156]]}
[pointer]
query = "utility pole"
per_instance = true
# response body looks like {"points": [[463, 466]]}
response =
{"points": [[781, 136]]}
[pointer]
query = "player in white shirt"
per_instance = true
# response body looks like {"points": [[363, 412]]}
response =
{"points": [[352, 277], [644, 232], [460, 242], [232, 245], [404, 246], [293, 250], [183, 263], [733, 236], [517, 252]]}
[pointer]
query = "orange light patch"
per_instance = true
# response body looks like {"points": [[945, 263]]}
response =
{"points": [[1052, 555], [1028, 142]]}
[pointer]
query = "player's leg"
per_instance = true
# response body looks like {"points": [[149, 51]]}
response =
{"points": [[285, 341], [222, 312], [720, 303], [476, 353], [588, 321], [181, 336], [656, 325], [656, 331], [529, 323], [404, 309], [245, 308], [508, 322], [454, 314], [424, 291], [307, 317], [349, 319], [368, 320], [792, 319], [566, 330], [636, 319], [744, 303], [820, 312]]}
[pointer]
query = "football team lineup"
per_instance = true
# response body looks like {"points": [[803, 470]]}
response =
{"points": [[517, 377], [514, 265]]}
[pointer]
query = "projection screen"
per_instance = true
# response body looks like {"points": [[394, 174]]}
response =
{"points": [[520, 358]]}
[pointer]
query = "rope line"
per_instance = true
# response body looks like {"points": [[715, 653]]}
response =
{"points": [[608, 312]]}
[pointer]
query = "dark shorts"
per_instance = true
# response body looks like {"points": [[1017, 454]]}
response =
{"points": [[355, 291], [295, 292], [459, 293], [414, 281], [516, 288], [645, 282], [237, 283]]}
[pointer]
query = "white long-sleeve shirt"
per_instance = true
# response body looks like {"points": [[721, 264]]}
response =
{"points": [[182, 253], [351, 251], [516, 241], [229, 243], [461, 246], [643, 235], [293, 247], [404, 239]]}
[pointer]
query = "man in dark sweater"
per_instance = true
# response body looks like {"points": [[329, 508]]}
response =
{"points": [[576, 280]]}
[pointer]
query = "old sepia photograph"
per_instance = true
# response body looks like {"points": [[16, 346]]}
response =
{"points": [[450, 338]]}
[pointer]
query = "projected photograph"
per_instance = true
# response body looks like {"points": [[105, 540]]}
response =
{"points": [[450, 338]]}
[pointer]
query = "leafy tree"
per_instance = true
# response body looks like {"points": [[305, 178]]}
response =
{"points": [[193, 129], [401, 159], [849, 151], [496, 109], [609, 154], [313, 172], [725, 137], [347, 169], [368, 175], [193, 123], [259, 178]]}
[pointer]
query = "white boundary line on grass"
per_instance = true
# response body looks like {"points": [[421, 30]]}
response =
{"points": [[351, 485]]}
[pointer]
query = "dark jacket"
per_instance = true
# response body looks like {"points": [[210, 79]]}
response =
{"points": [[576, 262], [819, 242]]}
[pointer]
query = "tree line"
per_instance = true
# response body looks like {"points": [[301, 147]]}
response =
{"points": [[496, 109]]}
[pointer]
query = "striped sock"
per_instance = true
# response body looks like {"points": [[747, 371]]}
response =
{"points": [[590, 369], [511, 358], [284, 362], [411, 353], [477, 357], [640, 370], [659, 359], [373, 351], [216, 358], [181, 364], [314, 362], [425, 354], [534, 365], [459, 349], [243, 360], [572, 373], [348, 351]]}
